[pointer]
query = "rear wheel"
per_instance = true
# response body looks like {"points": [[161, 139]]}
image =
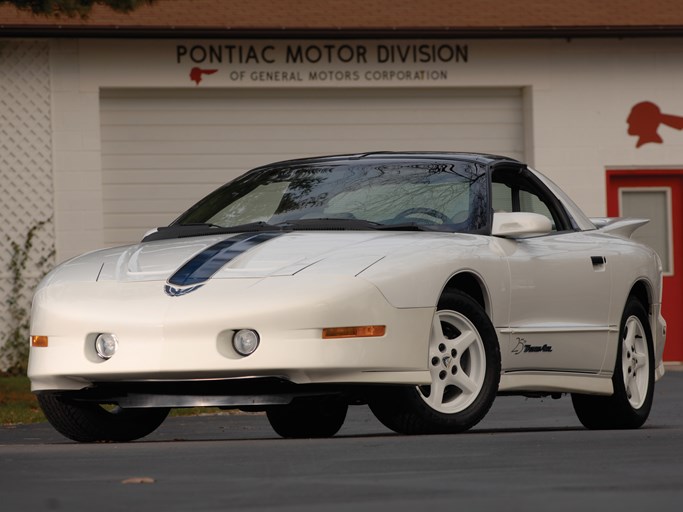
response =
{"points": [[89, 422], [464, 363], [308, 418], [633, 379]]}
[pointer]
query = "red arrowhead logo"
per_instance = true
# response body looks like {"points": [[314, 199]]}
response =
{"points": [[196, 74]]}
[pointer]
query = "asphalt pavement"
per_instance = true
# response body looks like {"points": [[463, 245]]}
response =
{"points": [[527, 454]]}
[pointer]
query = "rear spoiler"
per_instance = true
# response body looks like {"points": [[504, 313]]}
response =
{"points": [[619, 226]]}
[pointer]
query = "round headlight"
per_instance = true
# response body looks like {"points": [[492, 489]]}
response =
{"points": [[245, 341], [106, 345]]}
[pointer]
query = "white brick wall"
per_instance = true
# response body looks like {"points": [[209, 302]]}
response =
{"points": [[25, 163]]}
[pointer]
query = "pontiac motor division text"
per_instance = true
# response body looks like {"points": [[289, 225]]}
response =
{"points": [[425, 53]]}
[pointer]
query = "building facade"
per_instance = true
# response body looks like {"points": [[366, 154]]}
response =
{"points": [[105, 135]]}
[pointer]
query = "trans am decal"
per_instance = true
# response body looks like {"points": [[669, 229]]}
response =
{"points": [[523, 347]]}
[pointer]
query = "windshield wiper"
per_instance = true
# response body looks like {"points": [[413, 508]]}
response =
{"points": [[352, 225], [328, 223], [323, 224], [409, 226], [200, 229]]}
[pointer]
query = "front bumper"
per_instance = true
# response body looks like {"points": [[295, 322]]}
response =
{"points": [[188, 338]]}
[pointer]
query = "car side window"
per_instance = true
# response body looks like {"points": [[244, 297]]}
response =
{"points": [[512, 191]]}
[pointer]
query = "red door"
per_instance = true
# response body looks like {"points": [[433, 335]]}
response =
{"points": [[657, 195]]}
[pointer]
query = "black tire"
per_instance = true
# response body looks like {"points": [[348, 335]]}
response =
{"points": [[308, 418], [458, 404], [89, 422], [633, 378]]}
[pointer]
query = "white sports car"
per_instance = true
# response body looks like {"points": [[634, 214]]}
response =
{"points": [[421, 284]]}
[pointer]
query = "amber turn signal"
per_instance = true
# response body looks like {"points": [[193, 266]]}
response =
{"points": [[39, 341], [362, 331]]}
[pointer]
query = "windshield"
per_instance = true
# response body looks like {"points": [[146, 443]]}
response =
{"points": [[415, 194]]}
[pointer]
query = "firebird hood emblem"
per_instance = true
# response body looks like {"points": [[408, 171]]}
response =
{"points": [[178, 292]]}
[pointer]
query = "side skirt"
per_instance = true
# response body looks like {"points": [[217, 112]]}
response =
{"points": [[543, 382]]}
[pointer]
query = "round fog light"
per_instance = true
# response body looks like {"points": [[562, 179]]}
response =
{"points": [[106, 345], [245, 341]]}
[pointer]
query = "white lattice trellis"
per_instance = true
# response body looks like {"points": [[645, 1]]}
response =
{"points": [[26, 196]]}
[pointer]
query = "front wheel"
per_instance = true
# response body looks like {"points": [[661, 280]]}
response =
{"points": [[90, 422], [633, 379], [464, 364]]}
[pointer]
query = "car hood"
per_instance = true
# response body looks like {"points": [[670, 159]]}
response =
{"points": [[251, 255]]}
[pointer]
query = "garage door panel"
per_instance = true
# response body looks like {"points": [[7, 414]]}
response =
{"points": [[177, 176], [189, 102], [119, 122], [228, 130], [114, 163], [164, 149], [169, 191], [130, 224], [165, 211], [251, 140]]}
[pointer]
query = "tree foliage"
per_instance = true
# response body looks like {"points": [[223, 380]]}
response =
{"points": [[73, 7]]}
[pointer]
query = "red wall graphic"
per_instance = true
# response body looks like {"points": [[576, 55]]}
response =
{"points": [[645, 119]]}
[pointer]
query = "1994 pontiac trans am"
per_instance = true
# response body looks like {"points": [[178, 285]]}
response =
{"points": [[421, 284]]}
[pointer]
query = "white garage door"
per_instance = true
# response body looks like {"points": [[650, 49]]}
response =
{"points": [[164, 149]]}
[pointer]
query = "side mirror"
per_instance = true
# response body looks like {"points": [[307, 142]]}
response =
{"points": [[520, 224]]}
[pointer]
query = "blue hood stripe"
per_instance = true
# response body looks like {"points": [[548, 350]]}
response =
{"points": [[205, 264]]}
